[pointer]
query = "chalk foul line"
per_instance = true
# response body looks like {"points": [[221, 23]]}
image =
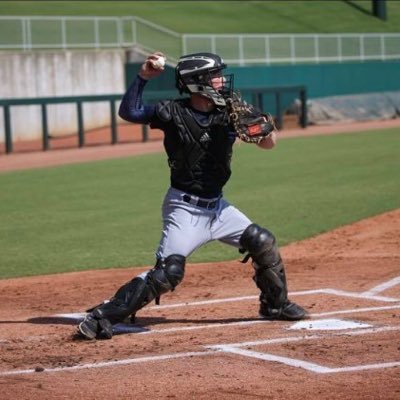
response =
{"points": [[371, 294], [235, 348], [114, 363], [382, 287]]}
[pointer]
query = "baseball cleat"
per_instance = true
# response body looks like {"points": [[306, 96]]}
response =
{"points": [[88, 327], [288, 312], [105, 329]]}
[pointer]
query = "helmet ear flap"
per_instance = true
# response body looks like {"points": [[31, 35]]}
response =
{"points": [[179, 84]]}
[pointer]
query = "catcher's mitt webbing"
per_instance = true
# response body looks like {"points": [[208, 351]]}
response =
{"points": [[249, 123]]}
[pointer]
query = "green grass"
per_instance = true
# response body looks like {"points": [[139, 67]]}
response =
{"points": [[107, 214], [229, 16]]}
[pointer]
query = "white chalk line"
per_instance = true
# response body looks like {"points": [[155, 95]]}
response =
{"points": [[206, 326], [355, 311], [343, 293], [292, 362], [356, 332], [236, 348], [335, 292], [114, 363], [258, 321], [382, 287], [240, 323], [228, 324], [226, 348], [371, 294], [309, 366], [363, 367]]}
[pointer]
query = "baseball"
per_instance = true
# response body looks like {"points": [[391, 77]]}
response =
{"points": [[159, 63]]}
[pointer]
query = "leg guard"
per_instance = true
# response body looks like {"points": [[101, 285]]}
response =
{"points": [[128, 299], [99, 321], [269, 274], [167, 274], [132, 296]]}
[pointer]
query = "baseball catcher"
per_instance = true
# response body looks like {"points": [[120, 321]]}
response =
{"points": [[199, 133]]}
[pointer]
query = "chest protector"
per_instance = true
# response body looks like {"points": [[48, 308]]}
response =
{"points": [[199, 150]]}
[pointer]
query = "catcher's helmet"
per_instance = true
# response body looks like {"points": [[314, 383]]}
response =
{"points": [[194, 72]]}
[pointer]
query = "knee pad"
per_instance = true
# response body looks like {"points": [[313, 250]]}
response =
{"points": [[261, 245], [167, 274]]}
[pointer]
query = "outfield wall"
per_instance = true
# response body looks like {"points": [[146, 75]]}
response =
{"points": [[323, 80], [51, 74], [91, 72]]}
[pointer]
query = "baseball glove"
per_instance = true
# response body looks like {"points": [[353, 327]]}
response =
{"points": [[250, 124]]}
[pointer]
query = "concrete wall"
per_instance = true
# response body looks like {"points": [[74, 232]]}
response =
{"points": [[90, 72], [50, 74]]}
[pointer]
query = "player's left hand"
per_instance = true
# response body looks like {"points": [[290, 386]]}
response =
{"points": [[250, 124]]}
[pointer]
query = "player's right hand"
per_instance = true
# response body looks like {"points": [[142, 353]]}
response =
{"points": [[147, 70]]}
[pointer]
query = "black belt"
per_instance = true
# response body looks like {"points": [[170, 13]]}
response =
{"points": [[209, 205]]}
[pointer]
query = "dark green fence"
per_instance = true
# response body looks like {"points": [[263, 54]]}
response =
{"points": [[43, 102], [324, 80], [255, 95]]}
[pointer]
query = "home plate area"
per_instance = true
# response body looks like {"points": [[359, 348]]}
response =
{"points": [[307, 344]]}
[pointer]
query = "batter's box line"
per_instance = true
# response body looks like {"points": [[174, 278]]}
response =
{"points": [[340, 293], [225, 348], [370, 295], [80, 316], [382, 287], [237, 348]]}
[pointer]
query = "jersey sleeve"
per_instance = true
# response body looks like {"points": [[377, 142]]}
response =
{"points": [[132, 108]]}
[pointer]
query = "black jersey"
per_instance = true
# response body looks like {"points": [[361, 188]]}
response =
{"points": [[198, 144]]}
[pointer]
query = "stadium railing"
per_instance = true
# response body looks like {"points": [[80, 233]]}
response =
{"points": [[70, 32], [294, 49], [256, 95]]}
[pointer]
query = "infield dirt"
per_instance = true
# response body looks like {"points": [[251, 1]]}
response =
{"points": [[351, 274], [352, 260]]}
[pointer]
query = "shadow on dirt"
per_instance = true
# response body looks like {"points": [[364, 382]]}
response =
{"points": [[142, 321], [53, 320]]}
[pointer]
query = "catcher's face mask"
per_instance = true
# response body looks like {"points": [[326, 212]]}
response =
{"points": [[202, 73]]}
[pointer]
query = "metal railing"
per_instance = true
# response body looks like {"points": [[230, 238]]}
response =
{"points": [[79, 101], [30, 32], [67, 32], [71, 32], [255, 94], [43, 102], [294, 49]]}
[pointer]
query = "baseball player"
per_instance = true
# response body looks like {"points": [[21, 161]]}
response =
{"points": [[198, 140]]}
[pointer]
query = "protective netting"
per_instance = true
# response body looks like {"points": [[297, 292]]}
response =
{"points": [[350, 108]]}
